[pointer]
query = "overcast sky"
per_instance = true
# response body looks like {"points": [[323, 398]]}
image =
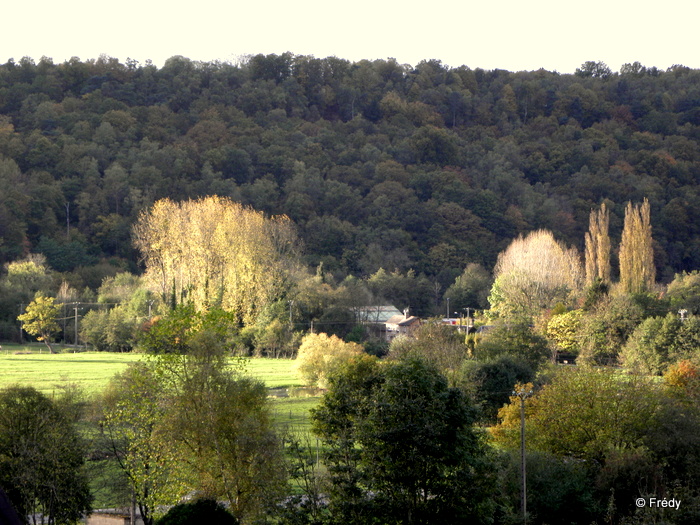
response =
{"points": [[557, 35]]}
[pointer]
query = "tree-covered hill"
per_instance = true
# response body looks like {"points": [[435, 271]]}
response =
{"points": [[379, 164]]}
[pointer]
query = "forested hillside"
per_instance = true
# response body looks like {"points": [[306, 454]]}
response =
{"points": [[379, 164], [202, 211]]}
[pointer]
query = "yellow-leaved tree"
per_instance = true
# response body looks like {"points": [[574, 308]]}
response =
{"points": [[534, 273], [214, 252], [39, 319], [637, 270], [598, 246], [321, 355]]}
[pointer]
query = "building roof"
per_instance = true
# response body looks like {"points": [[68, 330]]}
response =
{"points": [[376, 314], [401, 320]]}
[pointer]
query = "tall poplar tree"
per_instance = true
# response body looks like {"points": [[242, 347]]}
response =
{"points": [[598, 246], [637, 271]]}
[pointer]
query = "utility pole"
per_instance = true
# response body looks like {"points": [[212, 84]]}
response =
{"points": [[523, 392], [76, 325], [448, 307], [65, 318]]}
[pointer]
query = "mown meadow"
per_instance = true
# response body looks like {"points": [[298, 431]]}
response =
{"points": [[32, 365]]}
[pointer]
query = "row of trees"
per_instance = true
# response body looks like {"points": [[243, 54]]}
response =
{"points": [[402, 443], [182, 422], [536, 272], [216, 253], [399, 433], [399, 442], [378, 164], [270, 300]]}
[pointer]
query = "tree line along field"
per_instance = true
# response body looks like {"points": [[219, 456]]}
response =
{"points": [[51, 374]]}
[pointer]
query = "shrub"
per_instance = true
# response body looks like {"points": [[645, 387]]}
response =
{"points": [[197, 512], [320, 355], [490, 383]]}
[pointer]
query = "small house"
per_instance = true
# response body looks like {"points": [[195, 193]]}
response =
{"points": [[401, 325]]}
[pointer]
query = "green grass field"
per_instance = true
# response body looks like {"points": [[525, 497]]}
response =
{"points": [[32, 365]]}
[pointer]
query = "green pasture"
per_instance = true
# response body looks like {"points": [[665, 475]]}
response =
{"points": [[32, 365], [91, 371]]}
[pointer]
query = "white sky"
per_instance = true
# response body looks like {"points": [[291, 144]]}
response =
{"points": [[507, 34]]}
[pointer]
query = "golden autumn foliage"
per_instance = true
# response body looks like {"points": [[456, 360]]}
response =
{"points": [[215, 252], [598, 246], [637, 270], [684, 378], [533, 273], [320, 355]]}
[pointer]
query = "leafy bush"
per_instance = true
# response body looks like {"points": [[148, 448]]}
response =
{"points": [[490, 383], [198, 512], [320, 355], [660, 341], [517, 340]]}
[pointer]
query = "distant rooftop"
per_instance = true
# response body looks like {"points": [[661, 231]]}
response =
{"points": [[376, 314], [402, 320]]}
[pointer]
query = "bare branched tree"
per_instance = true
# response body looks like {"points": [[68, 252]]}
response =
{"points": [[535, 272]]}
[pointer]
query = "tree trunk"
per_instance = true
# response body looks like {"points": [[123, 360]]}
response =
{"points": [[51, 350]]}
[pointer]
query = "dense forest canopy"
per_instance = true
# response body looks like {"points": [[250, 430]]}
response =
{"points": [[379, 164]]}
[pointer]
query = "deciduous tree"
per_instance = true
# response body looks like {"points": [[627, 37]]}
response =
{"points": [[41, 458], [637, 270], [602, 421], [135, 409], [39, 319], [470, 289], [185, 422], [598, 246], [564, 331], [215, 252], [533, 273], [441, 345], [658, 342], [220, 420], [401, 447]]}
